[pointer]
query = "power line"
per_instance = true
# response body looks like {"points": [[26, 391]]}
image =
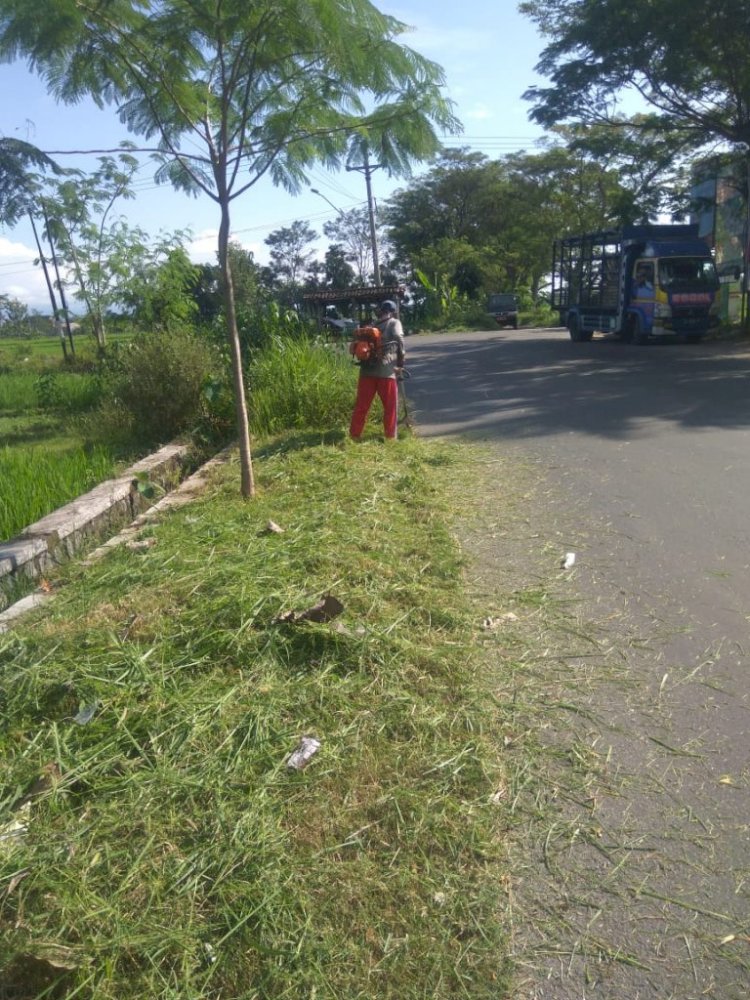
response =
{"points": [[15, 263]]}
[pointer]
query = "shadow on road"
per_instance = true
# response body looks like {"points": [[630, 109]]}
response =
{"points": [[539, 383]]}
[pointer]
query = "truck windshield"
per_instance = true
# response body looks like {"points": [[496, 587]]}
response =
{"points": [[687, 273], [502, 302]]}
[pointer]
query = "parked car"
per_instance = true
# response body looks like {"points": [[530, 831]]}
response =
{"points": [[504, 308]]}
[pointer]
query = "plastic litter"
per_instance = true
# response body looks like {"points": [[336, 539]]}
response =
{"points": [[569, 560], [301, 757], [13, 832], [86, 714]]}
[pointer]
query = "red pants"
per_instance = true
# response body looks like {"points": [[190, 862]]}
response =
{"points": [[387, 389]]}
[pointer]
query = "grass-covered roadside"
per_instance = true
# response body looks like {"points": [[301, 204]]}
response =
{"points": [[170, 852]]}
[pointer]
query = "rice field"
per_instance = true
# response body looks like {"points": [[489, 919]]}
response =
{"points": [[44, 460]]}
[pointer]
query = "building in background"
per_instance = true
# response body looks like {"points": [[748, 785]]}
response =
{"points": [[720, 209]]}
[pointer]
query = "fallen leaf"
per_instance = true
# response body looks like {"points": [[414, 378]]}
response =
{"points": [[325, 610], [15, 882], [48, 778], [59, 956]]}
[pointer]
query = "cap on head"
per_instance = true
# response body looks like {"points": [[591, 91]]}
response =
{"points": [[387, 307]]}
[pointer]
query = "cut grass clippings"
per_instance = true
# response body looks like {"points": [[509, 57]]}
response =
{"points": [[169, 851]]}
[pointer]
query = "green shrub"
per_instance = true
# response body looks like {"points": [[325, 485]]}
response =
{"points": [[67, 393], [153, 387], [299, 383]]}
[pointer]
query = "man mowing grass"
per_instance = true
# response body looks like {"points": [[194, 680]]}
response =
{"points": [[380, 364]]}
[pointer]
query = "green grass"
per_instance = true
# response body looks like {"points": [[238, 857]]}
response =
{"points": [[300, 384], [65, 391], [36, 481], [170, 852], [44, 460], [37, 352]]}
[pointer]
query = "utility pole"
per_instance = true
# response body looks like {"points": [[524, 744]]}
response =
{"points": [[368, 169]]}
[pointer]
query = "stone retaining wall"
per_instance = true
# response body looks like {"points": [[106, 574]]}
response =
{"points": [[97, 514]]}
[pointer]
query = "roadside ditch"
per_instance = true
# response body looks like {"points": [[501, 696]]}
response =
{"points": [[112, 513]]}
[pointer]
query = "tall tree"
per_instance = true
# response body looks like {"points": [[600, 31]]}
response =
{"points": [[291, 255], [20, 195], [351, 232], [233, 91], [338, 271], [79, 218], [488, 225], [687, 59]]}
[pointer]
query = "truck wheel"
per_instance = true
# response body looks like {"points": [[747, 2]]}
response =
{"points": [[574, 330]]}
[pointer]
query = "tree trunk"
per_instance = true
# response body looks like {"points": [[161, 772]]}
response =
{"points": [[95, 313], [66, 314], [50, 289], [247, 481]]}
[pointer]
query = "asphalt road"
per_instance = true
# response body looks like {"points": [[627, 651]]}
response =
{"points": [[645, 457]]}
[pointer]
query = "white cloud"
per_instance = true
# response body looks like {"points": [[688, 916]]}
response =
{"points": [[9, 248], [19, 278], [479, 112], [202, 248]]}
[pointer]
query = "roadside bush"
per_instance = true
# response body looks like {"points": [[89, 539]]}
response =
{"points": [[540, 315], [299, 383], [67, 393], [152, 387]]}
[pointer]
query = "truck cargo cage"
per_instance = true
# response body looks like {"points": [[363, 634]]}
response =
{"points": [[586, 271]]}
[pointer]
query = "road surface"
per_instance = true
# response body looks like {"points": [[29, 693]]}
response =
{"points": [[644, 454]]}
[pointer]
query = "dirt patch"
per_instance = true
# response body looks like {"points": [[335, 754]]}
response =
{"points": [[629, 816]]}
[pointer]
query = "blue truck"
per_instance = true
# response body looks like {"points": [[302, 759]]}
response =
{"points": [[637, 282]]}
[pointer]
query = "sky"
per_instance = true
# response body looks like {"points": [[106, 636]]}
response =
{"points": [[487, 49]]}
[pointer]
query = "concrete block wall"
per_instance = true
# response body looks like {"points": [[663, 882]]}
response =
{"points": [[78, 525]]}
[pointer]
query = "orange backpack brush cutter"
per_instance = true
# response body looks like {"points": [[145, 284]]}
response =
{"points": [[367, 344]]}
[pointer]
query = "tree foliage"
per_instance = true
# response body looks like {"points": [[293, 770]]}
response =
{"points": [[687, 59], [97, 247], [351, 231], [488, 225], [291, 253], [230, 92]]}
